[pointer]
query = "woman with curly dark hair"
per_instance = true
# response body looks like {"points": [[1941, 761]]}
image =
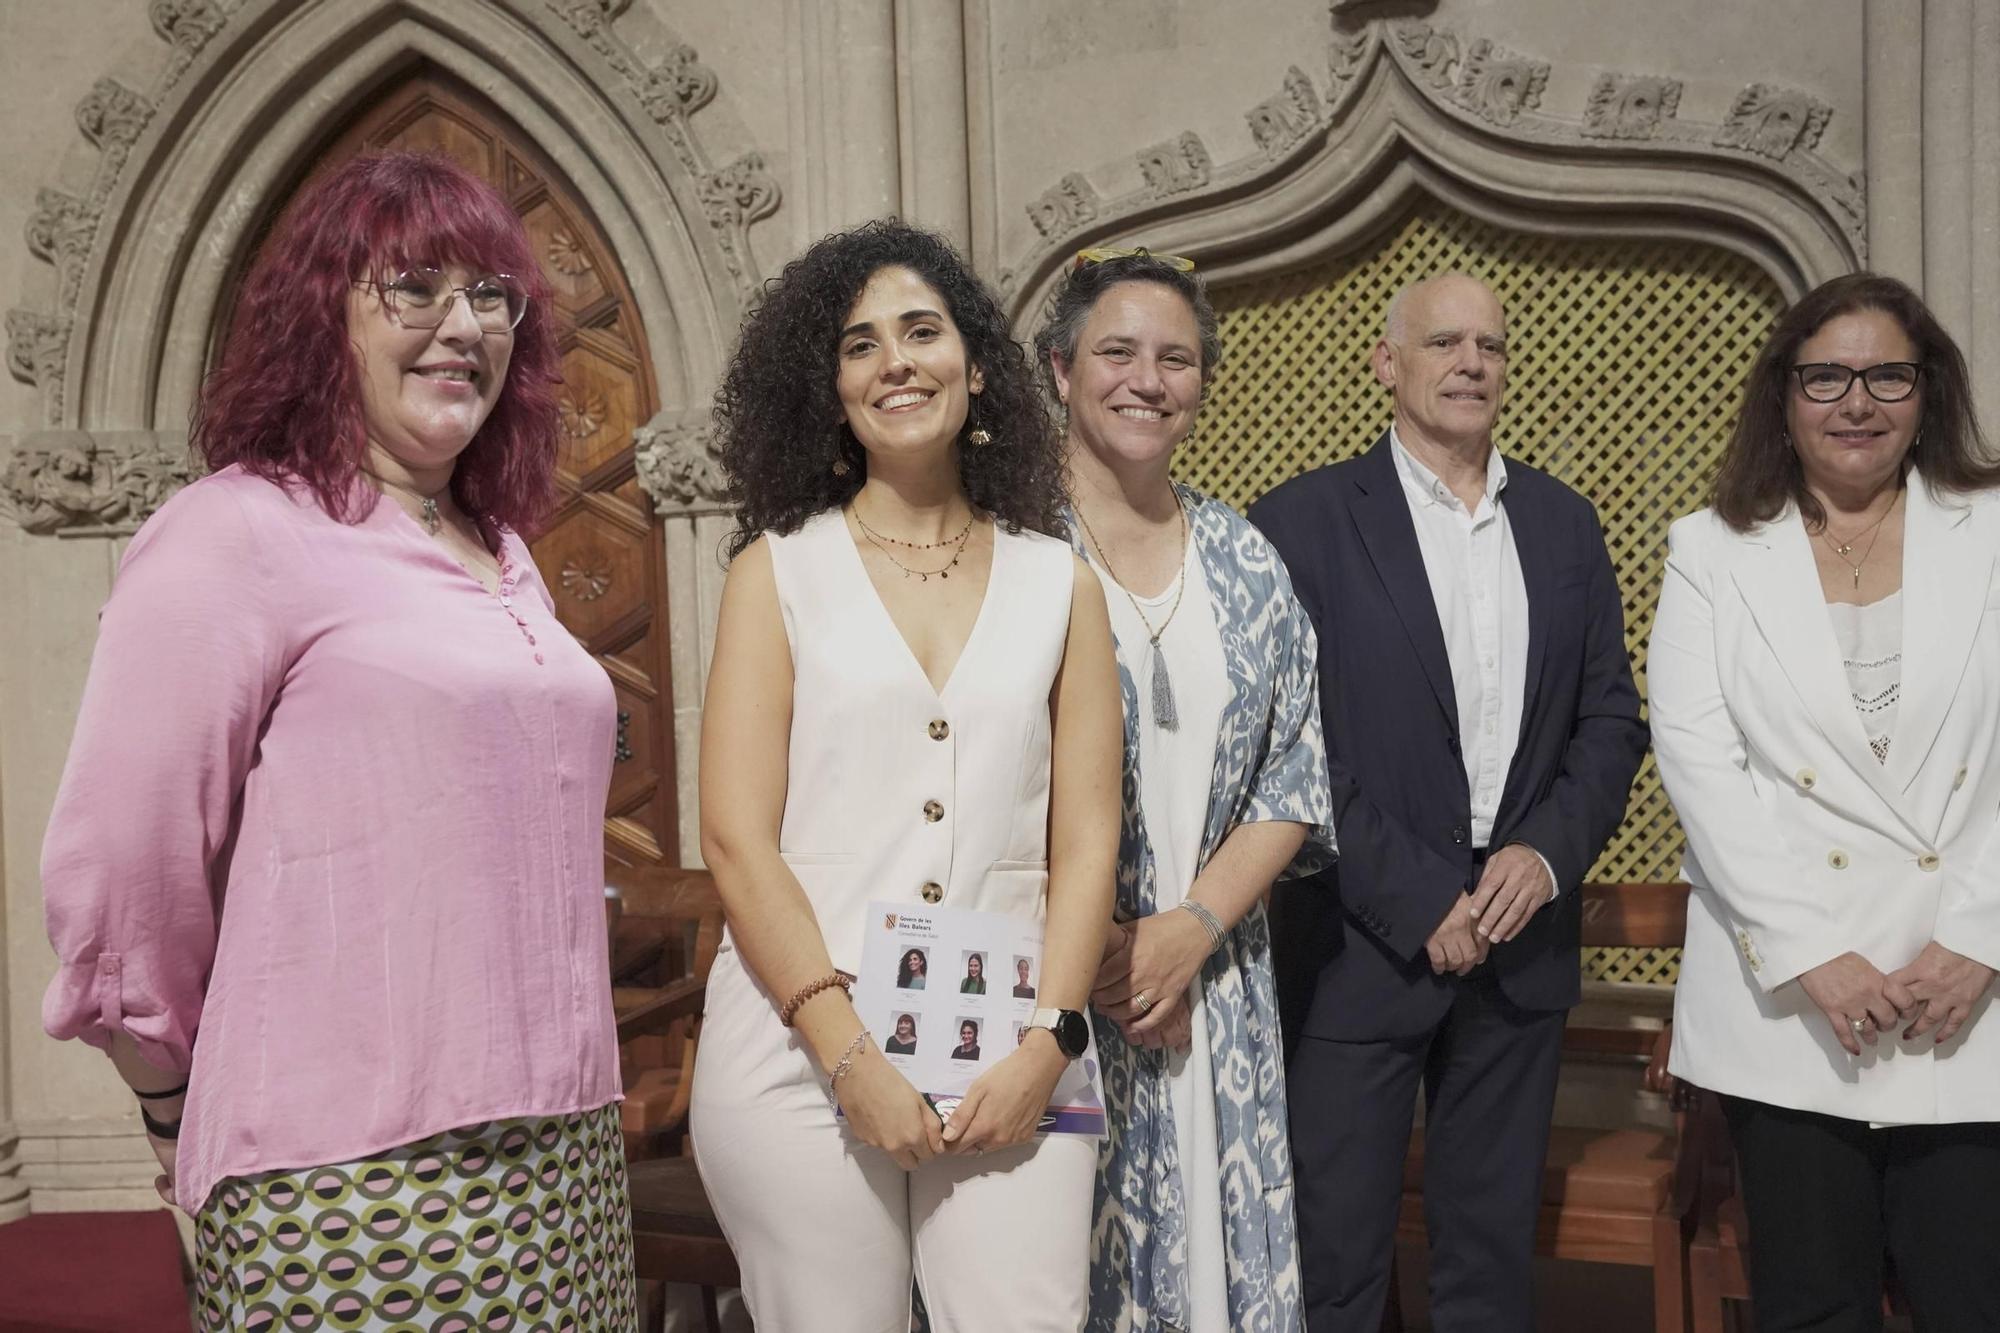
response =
{"points": [[912, 700], [325, 872]]}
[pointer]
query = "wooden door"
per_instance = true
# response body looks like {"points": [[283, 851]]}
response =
{"points": [[602, 554]]}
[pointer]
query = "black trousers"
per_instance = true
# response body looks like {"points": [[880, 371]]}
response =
{"points": [[1489, 1077], [1828, 1198]]}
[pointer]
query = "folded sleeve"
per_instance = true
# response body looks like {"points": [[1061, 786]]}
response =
{"points": [[189, 657]]}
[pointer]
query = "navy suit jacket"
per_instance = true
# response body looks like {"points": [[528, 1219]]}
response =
{"points": [[1349, 943]]}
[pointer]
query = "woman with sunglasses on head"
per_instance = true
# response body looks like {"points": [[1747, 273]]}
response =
{"points": [[912, 700], [325, 870], [1824, 681], [1225, 780]]}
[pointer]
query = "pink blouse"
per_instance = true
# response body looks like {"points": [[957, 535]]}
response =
{"points": [[329, 838]]}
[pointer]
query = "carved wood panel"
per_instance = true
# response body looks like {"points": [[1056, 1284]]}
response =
{"points": [[602, 555]]}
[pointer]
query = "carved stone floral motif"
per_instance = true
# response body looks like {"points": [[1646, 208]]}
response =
{"points": [[1063, 208], [680, 85], [680, 466], [73, 484], [1278, 123], [1433, 51], [740, 193], [112, 114], [61, 228], [1630, 106], [187, 24], [1773, 122], [1346, 57], [588, 16], [36, 345], [1176, 166], [1497, 85]]}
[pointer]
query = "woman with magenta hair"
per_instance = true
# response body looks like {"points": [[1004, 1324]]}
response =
{"points": [[324, 873]]}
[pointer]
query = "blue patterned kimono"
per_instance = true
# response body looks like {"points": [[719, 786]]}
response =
{"points": [[1270, 763]]}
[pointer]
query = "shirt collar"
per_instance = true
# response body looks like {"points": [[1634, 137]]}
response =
{"points": [[1423, 485]]}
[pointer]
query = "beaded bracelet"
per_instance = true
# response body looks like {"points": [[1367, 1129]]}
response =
{"points": [[846, 1065], [1208, 922], [810, 989]]}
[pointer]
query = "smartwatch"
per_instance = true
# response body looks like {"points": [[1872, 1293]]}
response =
{"points": [[1070, 1029]]}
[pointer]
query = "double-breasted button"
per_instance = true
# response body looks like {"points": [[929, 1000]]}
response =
{"points": [[1928, 861], [1806, 778], [1837, 859], [932, 892], [1958, 778], [940, 729], [933, 812]]}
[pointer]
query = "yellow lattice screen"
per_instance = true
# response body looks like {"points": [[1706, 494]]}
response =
{"points": [[1625, 361]]}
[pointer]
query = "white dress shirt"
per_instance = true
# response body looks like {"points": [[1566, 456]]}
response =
{"points": [[1482, 606]]}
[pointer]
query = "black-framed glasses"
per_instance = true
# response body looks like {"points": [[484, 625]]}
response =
{"points": [[420, 298], [1829, 381]]}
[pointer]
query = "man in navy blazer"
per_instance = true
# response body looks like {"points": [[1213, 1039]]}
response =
{"points": [[1482, 734]]}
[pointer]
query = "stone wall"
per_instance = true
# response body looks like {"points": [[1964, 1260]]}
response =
{"points": [[140, 139]]}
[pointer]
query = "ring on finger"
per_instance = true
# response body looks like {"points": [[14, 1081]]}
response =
{"points": [[1141, 1003]]}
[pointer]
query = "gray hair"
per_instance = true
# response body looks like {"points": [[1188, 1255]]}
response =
{"points": [[1084, 286]]}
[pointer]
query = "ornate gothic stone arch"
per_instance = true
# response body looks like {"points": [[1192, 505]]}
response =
{"points": [[1408, 106], [243, 95]]}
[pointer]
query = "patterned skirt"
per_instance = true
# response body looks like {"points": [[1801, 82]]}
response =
{"points": [[520, 1225]]}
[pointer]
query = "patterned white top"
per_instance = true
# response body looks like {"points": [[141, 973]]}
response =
{"points": [[1871, 652]]}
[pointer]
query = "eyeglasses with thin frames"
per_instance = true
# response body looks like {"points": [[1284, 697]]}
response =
{"points": [[421, 298], [1829, 381]]}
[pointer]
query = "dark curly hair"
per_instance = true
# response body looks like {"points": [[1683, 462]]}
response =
{"points": [[1760, 472], [1085, 285], [778, 412]]}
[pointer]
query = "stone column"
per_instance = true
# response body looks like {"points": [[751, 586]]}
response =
{"points": [[931, 97], [1894, 138], [679, 468], [1933, 145], [844, 112]]}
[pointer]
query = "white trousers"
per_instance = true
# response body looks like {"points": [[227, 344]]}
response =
{"points": [[828, 1231]]}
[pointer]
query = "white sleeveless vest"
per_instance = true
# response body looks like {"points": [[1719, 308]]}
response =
{"points": [[897, 792]]}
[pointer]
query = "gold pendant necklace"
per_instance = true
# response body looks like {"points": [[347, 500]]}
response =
{"points": [[1846, 548], [879, 542]]}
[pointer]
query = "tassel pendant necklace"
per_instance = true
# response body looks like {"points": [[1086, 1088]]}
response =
{"points": [[1166, 716]]}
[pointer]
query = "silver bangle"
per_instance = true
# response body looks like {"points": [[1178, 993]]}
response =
{"points": [[846, 1065], [1208, 921]]}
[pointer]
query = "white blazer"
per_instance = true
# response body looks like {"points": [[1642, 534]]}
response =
{"points": [[1801, 844]]}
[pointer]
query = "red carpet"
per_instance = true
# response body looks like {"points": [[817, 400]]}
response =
{"points": [[101, 1272]]}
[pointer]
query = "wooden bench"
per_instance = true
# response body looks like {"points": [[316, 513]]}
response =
{"points": [[1612, 1196]]}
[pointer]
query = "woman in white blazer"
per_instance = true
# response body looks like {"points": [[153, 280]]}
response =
{"points": [[1825, 694]]}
